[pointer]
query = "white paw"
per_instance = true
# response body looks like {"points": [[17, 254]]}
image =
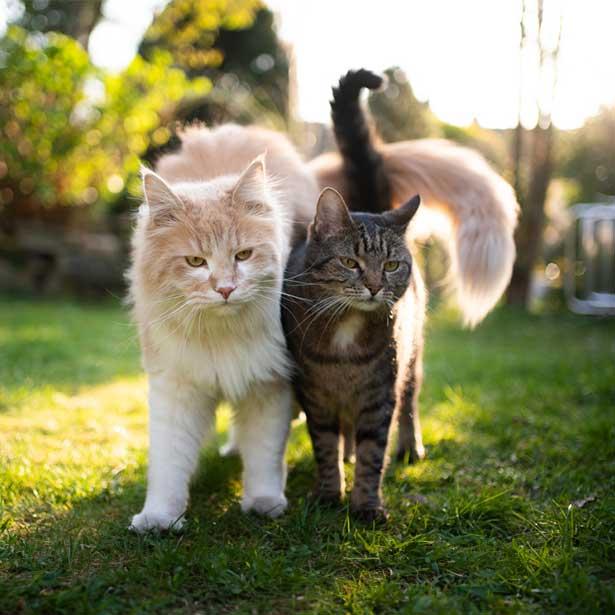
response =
{"points": [[270, 505], [157, 521], [230, 448]]}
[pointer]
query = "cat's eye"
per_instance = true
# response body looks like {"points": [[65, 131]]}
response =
{"points": [[196, 261], [244, 255], [391, 266], [350, 263]]}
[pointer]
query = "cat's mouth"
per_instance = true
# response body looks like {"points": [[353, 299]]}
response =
{"points": [[224, 306], [368, 305]]}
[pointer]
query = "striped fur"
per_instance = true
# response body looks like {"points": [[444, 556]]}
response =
{"points": [[356, 336], [368, 186]]}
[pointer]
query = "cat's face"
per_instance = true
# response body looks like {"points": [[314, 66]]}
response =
{"points": [[212, 244], [360, 261]]}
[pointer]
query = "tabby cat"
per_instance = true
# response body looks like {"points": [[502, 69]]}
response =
{"points": [[354, 303], [354, 328]]}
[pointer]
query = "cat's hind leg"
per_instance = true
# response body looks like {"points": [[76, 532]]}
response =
{"points": [[409, 436]]}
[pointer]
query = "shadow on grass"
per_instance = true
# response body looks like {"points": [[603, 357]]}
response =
{"points": [[63, 345]]}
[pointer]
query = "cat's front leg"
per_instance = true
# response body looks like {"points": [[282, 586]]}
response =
{"points": [[324, 427], [262, 423], [372, 433], [180, 417]]}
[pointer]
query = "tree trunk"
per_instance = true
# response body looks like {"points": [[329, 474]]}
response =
{"points": [[528, 237], [82, 20], [517, 158]]}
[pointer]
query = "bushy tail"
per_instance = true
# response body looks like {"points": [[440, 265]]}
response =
{"points": [[479, 212], [368, 186]]}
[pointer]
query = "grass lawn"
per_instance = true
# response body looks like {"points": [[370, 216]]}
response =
{"points": [[513, 511]]}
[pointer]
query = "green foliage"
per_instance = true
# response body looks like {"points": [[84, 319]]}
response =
{"points": [[188, 30], [511, 512], [73, 134], [235, 44], [139, 103], [41, 84], [399, 116], [587, 156]]}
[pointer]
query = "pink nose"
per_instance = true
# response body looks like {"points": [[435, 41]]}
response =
{"points": [[226, 291]]}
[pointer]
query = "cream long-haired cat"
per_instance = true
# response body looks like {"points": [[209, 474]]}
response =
{"points": [[209, 251]]}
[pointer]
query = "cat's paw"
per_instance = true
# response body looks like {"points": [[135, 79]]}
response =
{"points": [[376, 515], [327, 498], [414, 453], [269, 505], [147, 521]]}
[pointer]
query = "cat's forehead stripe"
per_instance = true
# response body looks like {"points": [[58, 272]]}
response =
{"points": [[374, 241]]}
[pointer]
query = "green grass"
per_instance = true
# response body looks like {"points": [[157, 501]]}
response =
{"points": [[519, 423]]}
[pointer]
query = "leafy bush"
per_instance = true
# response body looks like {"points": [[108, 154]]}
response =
{"points": [[73, 134]]}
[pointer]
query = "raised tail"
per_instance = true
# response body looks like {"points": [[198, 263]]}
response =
{"points": [[368, 186], [479, 212]]}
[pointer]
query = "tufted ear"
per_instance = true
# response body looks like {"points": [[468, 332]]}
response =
{"points": [[159, 197], [251, 187], [402, 215], [332, 216]]}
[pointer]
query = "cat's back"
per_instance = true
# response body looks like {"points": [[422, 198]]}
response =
{"points": [[207, 153]]}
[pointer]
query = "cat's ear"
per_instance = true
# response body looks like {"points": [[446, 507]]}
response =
{"points": [[251, 187], [332, 216], [401, 216], [160, 199]]}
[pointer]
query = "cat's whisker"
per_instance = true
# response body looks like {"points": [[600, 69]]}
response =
{"points": [[335, 312], [166, 316], [323, 310]]}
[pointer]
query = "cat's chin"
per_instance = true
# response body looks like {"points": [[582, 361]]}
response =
{"points": [[368, 305], [224, 309]]}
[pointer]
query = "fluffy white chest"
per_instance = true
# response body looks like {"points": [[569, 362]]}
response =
{"points": [[225, 366], [347, 332]]}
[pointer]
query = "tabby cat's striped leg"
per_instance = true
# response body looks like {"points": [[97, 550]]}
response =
{"points": [[372, 432], [324, 428], [409, 437]]}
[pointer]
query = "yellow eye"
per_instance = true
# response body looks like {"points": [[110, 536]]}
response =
{"points": [[195, 261], [391, 265], [244, 255], [350, 263]]}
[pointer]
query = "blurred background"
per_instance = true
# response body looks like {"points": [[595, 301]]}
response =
{"points": [[89, 88]]}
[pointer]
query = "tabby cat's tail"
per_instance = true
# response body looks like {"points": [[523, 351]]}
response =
{"points": [[368, 186], [479, 208]]}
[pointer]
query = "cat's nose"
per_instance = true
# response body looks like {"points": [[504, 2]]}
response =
{"points": [[225, 291], [374, 290]]}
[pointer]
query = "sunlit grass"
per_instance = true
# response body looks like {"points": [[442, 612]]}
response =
{"points": [[519, 424]]}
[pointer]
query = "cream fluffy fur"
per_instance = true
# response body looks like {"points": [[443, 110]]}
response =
{"points": [[478, 212], [212, 200]]}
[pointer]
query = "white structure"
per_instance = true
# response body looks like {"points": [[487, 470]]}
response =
{"points": [[590, 275]]}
